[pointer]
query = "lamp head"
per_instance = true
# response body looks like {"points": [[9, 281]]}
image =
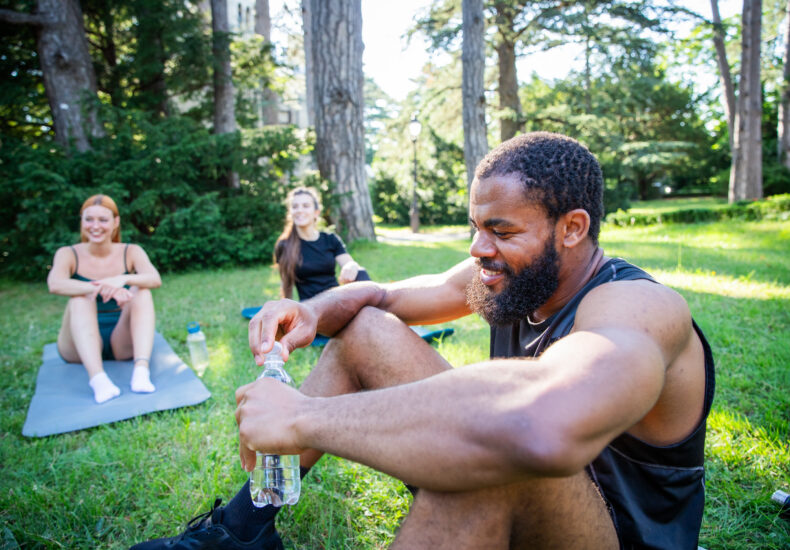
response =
{"points": [[414, 128]]}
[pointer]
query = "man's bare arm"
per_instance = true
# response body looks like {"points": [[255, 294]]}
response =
{"points": [[423, 299], [498, 421]]}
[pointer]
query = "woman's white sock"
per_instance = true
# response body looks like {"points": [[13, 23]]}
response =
{"points": [[103, 388], [141, 380]]}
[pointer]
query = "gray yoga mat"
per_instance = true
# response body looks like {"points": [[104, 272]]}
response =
{"points": [[63, 400]]}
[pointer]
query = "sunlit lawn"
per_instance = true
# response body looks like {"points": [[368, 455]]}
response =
{"points": [[113, 485], [675, 203]]}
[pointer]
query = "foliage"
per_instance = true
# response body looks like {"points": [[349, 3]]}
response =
{"points": [[776, 178], [24, 110], [146, 477], [153, 61], [380, 109], [390, 203], [165, 176], [653, 137], [442, 184], [253, 65], [441, 187], [148, 52], [646, 129], [777, 206]]}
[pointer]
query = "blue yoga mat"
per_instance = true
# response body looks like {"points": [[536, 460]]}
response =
{"points": [[427, 334], [63, 400]]}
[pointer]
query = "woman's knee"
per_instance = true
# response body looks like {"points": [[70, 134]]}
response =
{"points": [[81, 304], [143, 298], [142, 295]]}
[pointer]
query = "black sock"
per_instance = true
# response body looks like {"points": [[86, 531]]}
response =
{"points": [[243, 518]]}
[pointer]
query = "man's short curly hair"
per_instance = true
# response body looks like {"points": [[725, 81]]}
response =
{"points": [[557, 171]]}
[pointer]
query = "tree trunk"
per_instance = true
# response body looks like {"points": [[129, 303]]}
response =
{"points": [[509, 104], [587, 74], [309, 71], [263, 27], [587, 32], [474, 100], [783, 143], [724, 70], [108, 79], [152, 57], [746, 174], [66, 68], [339, 105], [224, 103]]}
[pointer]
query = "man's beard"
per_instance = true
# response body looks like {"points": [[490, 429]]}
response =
{"points": [[524, 291]]}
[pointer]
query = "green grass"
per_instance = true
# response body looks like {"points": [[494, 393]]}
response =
{"points": [[665, 205], [114, 485]]}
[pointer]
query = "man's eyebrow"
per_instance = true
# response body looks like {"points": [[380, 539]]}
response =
{"points": [[498, 222]]}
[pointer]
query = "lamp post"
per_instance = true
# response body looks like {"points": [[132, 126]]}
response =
{"points": [[414, 211]]}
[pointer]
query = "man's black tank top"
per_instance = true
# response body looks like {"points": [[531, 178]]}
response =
{"points": [[655, 494]]}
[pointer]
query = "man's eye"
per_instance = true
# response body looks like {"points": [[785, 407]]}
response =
{"points": [[499, 234]]}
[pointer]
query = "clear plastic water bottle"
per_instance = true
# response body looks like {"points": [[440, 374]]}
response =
{"points": [[275, 479], [196, 342]]}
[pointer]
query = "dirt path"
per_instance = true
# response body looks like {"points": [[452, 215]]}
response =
{"points": [[405, 235]]}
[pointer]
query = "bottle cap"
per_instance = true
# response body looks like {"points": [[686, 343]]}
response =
{"points": [[193, 327], [276, 353]]}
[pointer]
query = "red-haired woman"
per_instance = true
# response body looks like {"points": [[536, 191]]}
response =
{"points": [[305, 256], [110, 312]]}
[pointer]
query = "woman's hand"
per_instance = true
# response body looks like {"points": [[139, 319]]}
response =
{"points": [[348, 273], [112, 288], [122, 296]]}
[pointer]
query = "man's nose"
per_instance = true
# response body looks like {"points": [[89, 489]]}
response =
{"points": [[482, 246]]}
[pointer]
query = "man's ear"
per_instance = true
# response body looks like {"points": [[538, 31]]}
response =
{"points": [[574, 227]]}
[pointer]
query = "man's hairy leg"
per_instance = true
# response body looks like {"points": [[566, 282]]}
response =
{"points": [[375, 350], [540, 513]]}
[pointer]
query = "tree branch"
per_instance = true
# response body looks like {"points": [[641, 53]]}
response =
{"points": [[21, 18]]}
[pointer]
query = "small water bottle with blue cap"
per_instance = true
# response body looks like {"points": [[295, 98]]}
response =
{"points": [[198, 352], [275, 479]]}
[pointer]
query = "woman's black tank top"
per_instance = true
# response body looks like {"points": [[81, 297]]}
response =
{"points": [[110, 306]]}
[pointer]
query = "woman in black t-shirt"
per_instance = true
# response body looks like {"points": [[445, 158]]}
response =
{"points": [[305, 256]]}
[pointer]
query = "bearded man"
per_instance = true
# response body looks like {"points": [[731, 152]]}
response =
{"points": [[586, 427]]}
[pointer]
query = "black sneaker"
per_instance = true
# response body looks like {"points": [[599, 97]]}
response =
{"points": [[207, 532]]}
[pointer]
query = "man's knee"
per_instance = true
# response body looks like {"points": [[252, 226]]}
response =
{"points": [[359, 338], [540, 512], [368, 322], [376, 349]]}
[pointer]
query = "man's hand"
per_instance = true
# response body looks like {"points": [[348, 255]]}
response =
{"points": [[265, 413], [292, 323]]}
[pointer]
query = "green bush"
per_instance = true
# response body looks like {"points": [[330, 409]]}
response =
{"points": [[388, 203], [777, 206], [776, 179], [168, 177]]}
